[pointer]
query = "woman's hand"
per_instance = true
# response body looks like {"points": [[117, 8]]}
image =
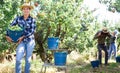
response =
{"points": [[9, 39], [20, 39]]}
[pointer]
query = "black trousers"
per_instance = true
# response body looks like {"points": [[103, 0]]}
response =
{"points": [[104, 48]]}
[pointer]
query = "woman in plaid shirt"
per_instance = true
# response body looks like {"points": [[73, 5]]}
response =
{"points": [[27, 41]]}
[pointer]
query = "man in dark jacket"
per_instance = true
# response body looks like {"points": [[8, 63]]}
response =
{"points": [[101, 36]]}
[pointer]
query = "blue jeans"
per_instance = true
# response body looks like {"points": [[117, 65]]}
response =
{"points": [[24, 48], [112, 48]]}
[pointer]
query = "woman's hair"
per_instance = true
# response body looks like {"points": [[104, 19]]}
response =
{"points": [[116, 32]]}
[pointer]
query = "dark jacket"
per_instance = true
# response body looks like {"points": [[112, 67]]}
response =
{"points": [[112, 39], [101, 38]]}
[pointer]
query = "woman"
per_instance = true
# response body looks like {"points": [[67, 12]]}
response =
{"points": [[26, 43], [113, 46]]}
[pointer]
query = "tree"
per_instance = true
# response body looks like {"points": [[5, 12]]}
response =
{"points": [[66, 19], [69, 21], [116, 5], [8, 10], [55, 20]]}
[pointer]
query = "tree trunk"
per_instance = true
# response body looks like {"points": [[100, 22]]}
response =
{"points": [[58, 30], [40, 50], [40, 41], [2, 58]]}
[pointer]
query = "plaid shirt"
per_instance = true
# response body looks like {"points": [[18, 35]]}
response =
{"points": [[28, 25]]}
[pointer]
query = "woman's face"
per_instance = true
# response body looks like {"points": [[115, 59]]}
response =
{"points": [[26, 10]]}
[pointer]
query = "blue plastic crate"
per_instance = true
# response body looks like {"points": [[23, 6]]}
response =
{"points": [[118, 59], [15, 35], [95, 63]]}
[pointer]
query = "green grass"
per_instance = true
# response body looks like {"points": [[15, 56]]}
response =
{"points": [[9, 67], [35, 66], [74, 67], [112, 68]]}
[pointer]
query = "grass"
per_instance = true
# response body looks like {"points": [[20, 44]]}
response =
{"points": [[112, 68], [76, 64], [35, 66], [9, 67]]}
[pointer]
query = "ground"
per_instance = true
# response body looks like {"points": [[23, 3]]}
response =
{"points": [[75, 64]]}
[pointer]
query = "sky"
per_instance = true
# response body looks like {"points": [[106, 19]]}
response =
{"points": [[101, 12]]}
